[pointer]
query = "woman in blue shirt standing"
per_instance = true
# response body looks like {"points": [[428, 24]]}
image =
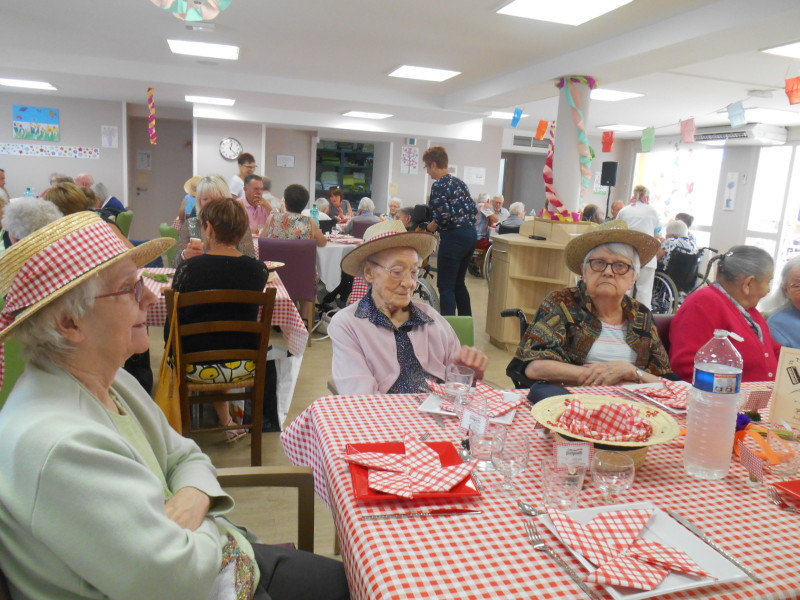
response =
{"points": [[454, 214]]}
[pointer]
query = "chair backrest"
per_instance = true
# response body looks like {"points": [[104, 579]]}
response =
{"points": [[123, 221], [327, 225], [299, 276], [15, 365], [169, 231], [464, 328], [359, 227], [682, 268], [502, 229], [663, 323]]}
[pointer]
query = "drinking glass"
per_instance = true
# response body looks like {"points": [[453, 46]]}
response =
{"points": [[789, 460], [561, 485], [481, 445], [613, 472], [457, 382], [510, 459]]}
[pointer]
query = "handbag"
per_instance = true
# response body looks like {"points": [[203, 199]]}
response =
{"points": [[167, 394]]}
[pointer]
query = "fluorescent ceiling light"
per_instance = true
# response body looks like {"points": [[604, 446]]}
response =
{"points": [[366, 115], [771, 116], [790, 50], [568, 12], [424, 73], [496, 114], [24, 83], [605, 95], [204, 49], [621, 127], [210, 100]]}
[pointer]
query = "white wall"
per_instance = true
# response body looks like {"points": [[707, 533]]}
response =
{"points": [[485, 153], [80, 122], [209, 133], [288, 141]]}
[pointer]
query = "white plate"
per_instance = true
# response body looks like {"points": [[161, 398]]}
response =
{"points": [[662, 528], [639, 386], [433, 404]]}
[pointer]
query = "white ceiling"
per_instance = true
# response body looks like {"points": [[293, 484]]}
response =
{"points": [[304, 62]]}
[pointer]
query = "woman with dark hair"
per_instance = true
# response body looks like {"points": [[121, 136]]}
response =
{"points": [[340, 208], [292, 224], [744, 275]]}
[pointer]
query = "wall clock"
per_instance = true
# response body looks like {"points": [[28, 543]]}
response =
{"points": [[230, 148]]}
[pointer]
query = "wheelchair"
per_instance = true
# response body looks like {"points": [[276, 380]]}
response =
{"points": [[671, 287]]}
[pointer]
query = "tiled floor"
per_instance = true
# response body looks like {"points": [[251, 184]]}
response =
{"points": [[271, 513]]}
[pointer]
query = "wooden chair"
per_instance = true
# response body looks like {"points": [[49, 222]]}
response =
{"points": [[123, 221], [301, 478], [192, 392], [169, 231]]}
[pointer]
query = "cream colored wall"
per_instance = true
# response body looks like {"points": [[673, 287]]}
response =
{"points": [[209, 133], [288, 141]]}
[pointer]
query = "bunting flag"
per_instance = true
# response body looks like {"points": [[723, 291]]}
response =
{"points": [[736, 114], [541, 131], [608, 141], [151, 119], [793, 90], [574, 101], [517, 116], [687, 131], [193, 10], [648, 139]]}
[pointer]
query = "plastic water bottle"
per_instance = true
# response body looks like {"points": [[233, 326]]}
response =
{"points": [[315, 213], [29, 193], [713, 405]]}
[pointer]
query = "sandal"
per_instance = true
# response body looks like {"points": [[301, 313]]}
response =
{"points": [[233, 435]]}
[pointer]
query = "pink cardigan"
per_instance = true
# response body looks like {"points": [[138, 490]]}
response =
{"points": [[365, 356], [708, 309]]}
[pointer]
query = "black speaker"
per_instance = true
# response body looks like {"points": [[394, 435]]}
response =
{"points": [[608, 176]]}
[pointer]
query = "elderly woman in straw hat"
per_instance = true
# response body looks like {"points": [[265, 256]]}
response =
{"points": [[594, 333], [386, 343], [99, 497]]}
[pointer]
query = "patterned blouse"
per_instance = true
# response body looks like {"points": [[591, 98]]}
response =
{"points": [[683, 244], [566, 327], [289, 226], [451, 204]]}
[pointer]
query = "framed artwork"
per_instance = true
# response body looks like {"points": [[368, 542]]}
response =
{"points": [[35, 123]]}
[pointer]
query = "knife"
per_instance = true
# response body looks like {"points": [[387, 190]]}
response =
{"points": [[699, 533], [441, 512]]}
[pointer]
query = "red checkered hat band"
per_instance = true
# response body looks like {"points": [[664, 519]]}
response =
{"points": [[383, 235]]}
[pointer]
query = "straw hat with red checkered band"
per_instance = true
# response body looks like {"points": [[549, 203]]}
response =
{"points": [[46, 264], [385, 235]]}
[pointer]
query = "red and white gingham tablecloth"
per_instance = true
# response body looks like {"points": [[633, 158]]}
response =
{"points": [[488, 555], [284, 315]]}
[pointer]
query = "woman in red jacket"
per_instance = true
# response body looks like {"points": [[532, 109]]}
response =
{"points": [[744, 275]]}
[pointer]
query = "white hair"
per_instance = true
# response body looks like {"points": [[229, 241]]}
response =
{"points": [[677, 228], [396, 200], [620, 249], [517, 208], [496, 196], [366, 205], [25, 215], [482, 197], [322, 204], [100, 190]]}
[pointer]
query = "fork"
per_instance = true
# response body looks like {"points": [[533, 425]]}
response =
{"points": [[424, 437], [539, 544], [780, 502]]}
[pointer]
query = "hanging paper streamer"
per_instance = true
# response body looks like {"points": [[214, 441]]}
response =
{"points": [[517, 116], [608, 141], [151, 119], [687, 131], [541, 131], [193, 10], [574, 101], [547, 174], [736, 114], [793, 90], [648, 139]]}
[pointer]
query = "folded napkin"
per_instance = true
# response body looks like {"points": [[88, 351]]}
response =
{"points": [[497, 402], [611, 542], [609, 423], [672, 394], [417, 471]]}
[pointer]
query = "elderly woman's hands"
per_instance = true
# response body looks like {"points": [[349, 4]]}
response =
{"points": [[609, 373], [188, 507], [474, 359]]}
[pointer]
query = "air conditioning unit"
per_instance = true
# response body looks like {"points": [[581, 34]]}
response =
{"points": [[516, 140], [752, 134]]}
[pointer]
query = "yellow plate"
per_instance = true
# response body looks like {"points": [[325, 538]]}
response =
{"points": [[549, 410]]}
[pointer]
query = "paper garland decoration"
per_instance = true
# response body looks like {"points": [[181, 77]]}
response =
{"points": [[687, 131], [517, 116], [547, 174], [736, 114], [541, 131], [151, 119], [793, 90], [56, 151], [193, 10], [608, 141], [648, 139], [574, 101]]}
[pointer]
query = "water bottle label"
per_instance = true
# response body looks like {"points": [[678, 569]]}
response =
{"points": [[717, 383]]}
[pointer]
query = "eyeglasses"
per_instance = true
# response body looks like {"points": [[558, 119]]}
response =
{"points": [[137, 290], [794, 287], [249, 166], [399, 273], [618, 268]]}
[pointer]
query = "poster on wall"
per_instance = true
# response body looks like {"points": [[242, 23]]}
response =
{"points": [[409, 160], [35, 123], [110, 136], [475, 175], [598, 187]]}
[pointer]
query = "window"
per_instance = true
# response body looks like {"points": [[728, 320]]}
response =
{"points": [[769, 191]]}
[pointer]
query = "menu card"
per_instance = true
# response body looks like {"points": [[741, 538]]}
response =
{"points": [[785, 404]]}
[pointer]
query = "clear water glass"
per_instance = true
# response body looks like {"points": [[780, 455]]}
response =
{"points": [[613, 473], [561, 485], [457, 383], [510, 458], [481, 445]]}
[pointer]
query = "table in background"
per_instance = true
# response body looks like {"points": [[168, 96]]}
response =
{"points": [[329, 260], [285, 315], [488, 555]]}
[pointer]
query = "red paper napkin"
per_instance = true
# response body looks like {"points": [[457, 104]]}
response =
{"points": [[611, 542], [417, 471], [672, 394], [496, 402], [609, 423]]}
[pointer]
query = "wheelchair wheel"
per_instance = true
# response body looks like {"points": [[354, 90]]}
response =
{"points": [[665, 295], [425, 292]]}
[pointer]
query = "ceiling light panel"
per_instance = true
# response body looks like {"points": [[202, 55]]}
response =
{"points": [[204, 49], [360, 114], [771, 116], [211, 100], [790, 50], [622, 127], [25, 83], [567, 12], [604, 95], [496, 114], [423, 73]]}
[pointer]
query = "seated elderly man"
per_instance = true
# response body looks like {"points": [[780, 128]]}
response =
{"points": [[386, 343], [516, 215], [677, 240], [594, 333], [366, 210], [323, 206]]}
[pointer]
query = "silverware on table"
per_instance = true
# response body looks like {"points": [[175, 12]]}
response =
{"points": [[719, 549], [466, 457], [538, 544], [443, 512], [776, 499], [439, 420]]}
